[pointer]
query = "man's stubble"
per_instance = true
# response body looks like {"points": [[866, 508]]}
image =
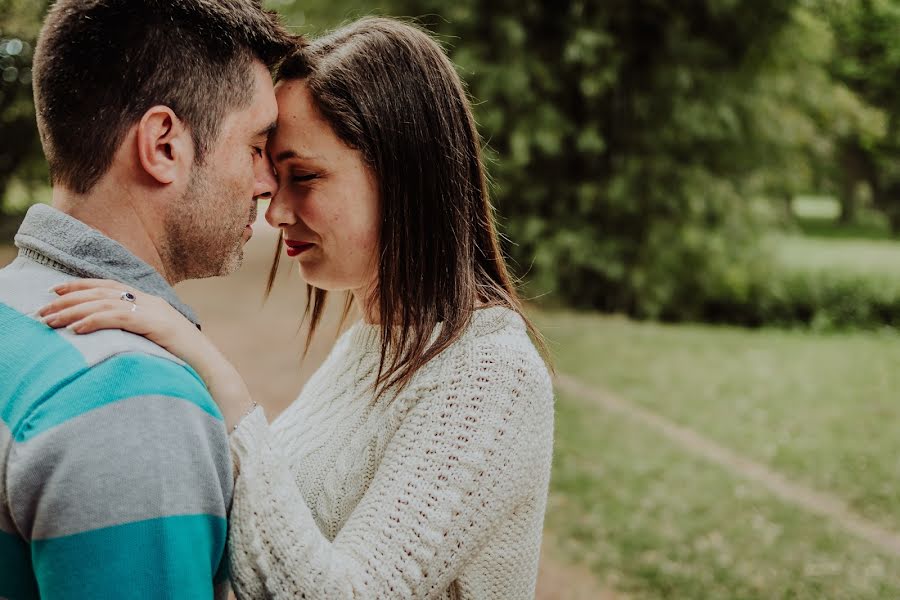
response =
{"points": [[204, 230]]}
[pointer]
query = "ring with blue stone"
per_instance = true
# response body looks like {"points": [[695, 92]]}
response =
{"points": [[128, 297]]}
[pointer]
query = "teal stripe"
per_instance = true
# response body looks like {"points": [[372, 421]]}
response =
{"points": [[45, 381], [33, 359], [16, 578], [118, 378], [167, 558], [224, 572]]}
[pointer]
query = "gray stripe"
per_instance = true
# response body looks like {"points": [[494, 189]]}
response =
{"points": [[133, 460], [25, 285], [99, 346], [66, 243], [6, 523]]}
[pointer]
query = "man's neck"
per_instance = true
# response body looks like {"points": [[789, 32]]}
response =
{"points": [[118, 216]]}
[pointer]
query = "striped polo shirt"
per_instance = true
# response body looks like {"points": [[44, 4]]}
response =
{"points": [[115, 471]]}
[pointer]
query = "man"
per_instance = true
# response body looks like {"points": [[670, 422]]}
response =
{"points": [[115, 471]]}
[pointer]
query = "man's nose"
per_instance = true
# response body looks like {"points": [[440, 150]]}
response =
{"points": [[266, 182]]}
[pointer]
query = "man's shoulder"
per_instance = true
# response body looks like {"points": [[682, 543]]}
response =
{"points": [[104, 416], [119, 384], [48, 376], [136, 432]]}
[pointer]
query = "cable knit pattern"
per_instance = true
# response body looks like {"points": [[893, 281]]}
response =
{"points": [[436, 492]]}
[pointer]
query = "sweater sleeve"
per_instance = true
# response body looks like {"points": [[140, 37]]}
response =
{"points": [[466, 455]]}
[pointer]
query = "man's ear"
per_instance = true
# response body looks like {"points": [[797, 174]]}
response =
{"points": [[165, 147]]}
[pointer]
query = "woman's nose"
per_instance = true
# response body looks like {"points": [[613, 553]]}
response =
{"points": [[279, 213]]}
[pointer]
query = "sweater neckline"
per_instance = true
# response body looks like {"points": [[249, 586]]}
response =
{"points": [[366, 338]]}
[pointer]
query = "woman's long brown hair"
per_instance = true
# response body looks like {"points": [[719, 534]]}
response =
{"points": [[388, 90]]}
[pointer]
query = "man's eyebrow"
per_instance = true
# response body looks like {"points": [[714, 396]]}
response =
{"points": [[268, 129]]}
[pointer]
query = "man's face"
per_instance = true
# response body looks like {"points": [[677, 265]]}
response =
{"points": [[207, 229]]}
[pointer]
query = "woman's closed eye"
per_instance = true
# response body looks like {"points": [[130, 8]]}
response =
{"points": [[302, 178]]}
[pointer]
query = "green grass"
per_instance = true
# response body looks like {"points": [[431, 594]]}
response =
{"points": [[821, 243], [655, 523], [875, 228], [816, 207], [858, 256], [817, 407], [817, 216]]}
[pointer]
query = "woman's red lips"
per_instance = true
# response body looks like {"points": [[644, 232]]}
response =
{"points": [[295, 248]]}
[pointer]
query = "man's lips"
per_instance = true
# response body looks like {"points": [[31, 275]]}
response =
{"points": [[296, 248]]}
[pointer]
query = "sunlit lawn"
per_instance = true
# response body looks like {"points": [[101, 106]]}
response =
{"points": [[822, 244], [821, 409], [877, 257], [656, 523]]}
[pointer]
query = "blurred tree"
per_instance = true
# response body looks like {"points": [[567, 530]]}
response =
{"points": [[867, 61], [629, 136], [315, 16], [631, 142], [808, 116], [20, 150]]}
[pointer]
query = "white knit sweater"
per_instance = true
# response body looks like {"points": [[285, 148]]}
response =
{"points": [[438, 492]]}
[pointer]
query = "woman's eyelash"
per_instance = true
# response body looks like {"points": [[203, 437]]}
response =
{"points": [[302, 178], [257, 151]]}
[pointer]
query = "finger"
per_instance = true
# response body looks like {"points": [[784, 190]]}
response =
{"points": [[78, 312], [80, 297], [77, 285], [111, 319]]}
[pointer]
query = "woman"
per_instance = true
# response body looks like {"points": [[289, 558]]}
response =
{"points": [[416, 461]]}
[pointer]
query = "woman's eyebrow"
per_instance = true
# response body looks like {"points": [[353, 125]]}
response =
{"points": [[286, 154]]}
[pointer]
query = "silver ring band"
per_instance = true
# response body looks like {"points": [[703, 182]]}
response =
{"points": [[128, 297]]}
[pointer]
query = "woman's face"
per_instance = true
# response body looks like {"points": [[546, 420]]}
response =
{"points": [[327, 202]]}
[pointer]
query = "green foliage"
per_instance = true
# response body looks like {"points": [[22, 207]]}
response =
{"points": [[627, 138], [20, 151], [641, 150], [867, 60], [315, 16]]}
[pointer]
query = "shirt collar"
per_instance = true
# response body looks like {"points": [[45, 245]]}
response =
{"points": [[68, 245]]}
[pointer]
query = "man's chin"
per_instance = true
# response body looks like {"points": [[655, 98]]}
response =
{"points": [[233, 260]]}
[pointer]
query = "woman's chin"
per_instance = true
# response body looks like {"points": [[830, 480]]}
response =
{"points": [[326, 284], [313, 277]]}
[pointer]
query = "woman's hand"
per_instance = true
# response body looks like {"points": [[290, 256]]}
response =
{"points": [[89, 305]]}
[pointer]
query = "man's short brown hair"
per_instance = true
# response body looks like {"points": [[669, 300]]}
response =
{"points": [[100, 64]]}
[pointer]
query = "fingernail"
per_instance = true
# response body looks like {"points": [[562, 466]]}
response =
{"points": [[54, 288]]}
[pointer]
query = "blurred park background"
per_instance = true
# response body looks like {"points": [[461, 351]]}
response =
{"points": [[702, 198]]}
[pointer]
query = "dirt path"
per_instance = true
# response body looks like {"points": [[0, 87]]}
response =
{"points": [[558, 580]]}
